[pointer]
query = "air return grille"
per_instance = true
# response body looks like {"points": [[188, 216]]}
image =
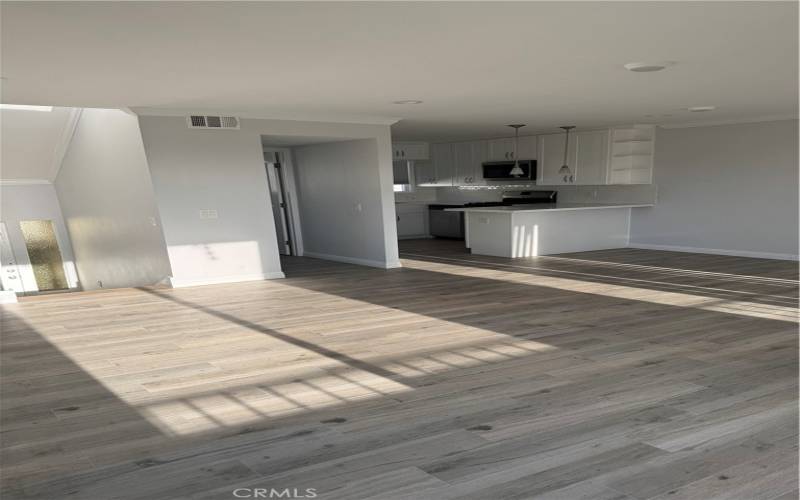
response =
{"points": [[213, 122]]}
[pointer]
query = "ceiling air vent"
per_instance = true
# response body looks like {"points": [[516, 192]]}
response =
{"points": [[213, 122]]}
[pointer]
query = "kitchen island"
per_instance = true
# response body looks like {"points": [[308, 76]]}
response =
{"points": [[545, 229]]}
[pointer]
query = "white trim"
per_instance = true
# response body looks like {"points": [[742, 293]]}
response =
{"points": [[713, 123], [716, 251], [64, 141], [181, 283], [8, 297], [354, 260], [273, 115], [23, 182]]}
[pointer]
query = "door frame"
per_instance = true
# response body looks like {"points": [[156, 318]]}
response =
{"points": [[290, 197], [4, 236]]}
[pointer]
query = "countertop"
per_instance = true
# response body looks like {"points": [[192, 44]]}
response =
{"points": [[544, 207]]}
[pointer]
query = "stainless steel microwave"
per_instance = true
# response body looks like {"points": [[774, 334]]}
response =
{"points": [[501, 170]]}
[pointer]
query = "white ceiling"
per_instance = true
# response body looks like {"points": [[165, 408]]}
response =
{"points": [[477, 65], [31, 142]]}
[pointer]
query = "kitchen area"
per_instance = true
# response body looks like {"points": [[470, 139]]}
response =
{"points": [[526, 195]]}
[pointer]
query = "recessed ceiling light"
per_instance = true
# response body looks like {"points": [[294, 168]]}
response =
{"points": [[643, 67], [701, 109], [26, 107], [408, 101]]}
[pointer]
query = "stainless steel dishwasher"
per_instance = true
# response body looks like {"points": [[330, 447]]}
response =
{"points": [[444, 224]]}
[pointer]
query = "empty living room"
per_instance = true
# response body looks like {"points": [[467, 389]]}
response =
{"points": [[399, 250]]}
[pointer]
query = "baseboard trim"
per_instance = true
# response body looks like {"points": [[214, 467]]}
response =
{"points": [[353, 260], [181, 283], [8, 297], [716, 251]]}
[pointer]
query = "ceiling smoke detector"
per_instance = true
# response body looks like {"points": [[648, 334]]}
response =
{"points": [[643, 67]]}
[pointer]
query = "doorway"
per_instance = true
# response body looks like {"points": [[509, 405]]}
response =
{"points": [[9, 271], [44, 255], [276, 181]]}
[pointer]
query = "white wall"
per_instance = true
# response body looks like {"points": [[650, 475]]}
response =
{"points": [[108, 203], [341, 201], [724, 189], [223, 170], [34, 202], [31, 142]]}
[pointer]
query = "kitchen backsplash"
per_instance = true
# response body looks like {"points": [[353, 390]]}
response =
{"points": [[638, 193]]}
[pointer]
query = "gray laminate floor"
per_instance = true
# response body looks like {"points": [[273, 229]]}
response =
{"points": [[620, 374]]}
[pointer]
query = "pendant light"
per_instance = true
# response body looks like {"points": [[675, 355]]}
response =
{"points": [[516, 171], [564, 170]]}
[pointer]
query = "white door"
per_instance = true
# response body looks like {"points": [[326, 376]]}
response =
{"points": [[279, 208], [592, 157], [9, 272]]}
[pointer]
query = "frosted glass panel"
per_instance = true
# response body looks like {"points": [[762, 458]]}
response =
{"points": [[43, 252]]}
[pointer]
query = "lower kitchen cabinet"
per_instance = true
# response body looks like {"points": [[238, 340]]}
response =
{"points": [[412, 220]]}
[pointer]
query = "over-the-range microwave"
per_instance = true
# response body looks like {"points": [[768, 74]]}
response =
{"points": [[501, 170]]}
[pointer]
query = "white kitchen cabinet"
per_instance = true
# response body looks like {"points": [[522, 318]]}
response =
{"points": [[468, 158], [591, 159], [424, 173], [410, 151], [443, 164], [551, 158], [503, 149], [587, 157], [527, 149], [412, 220]]}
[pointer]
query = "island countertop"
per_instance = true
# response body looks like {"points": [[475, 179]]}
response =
{"points": [[549, 207]]}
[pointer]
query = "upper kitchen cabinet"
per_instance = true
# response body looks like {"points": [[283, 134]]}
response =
{"points": [[469, 158], [443, 165], [503, 149], [410, 151], [551, 158], [591, 158], [587, 158]]}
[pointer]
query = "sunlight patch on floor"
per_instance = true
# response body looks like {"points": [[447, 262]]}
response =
{"points": [[595, 287], [231, 372]]}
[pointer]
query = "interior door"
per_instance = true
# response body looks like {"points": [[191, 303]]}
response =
{"points": [[279, 209], [9, 272]]}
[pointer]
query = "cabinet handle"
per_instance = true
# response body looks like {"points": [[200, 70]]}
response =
{"points": [[565, 178], [511, 154], [398, 218], [571, 178], [402, 153]]}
